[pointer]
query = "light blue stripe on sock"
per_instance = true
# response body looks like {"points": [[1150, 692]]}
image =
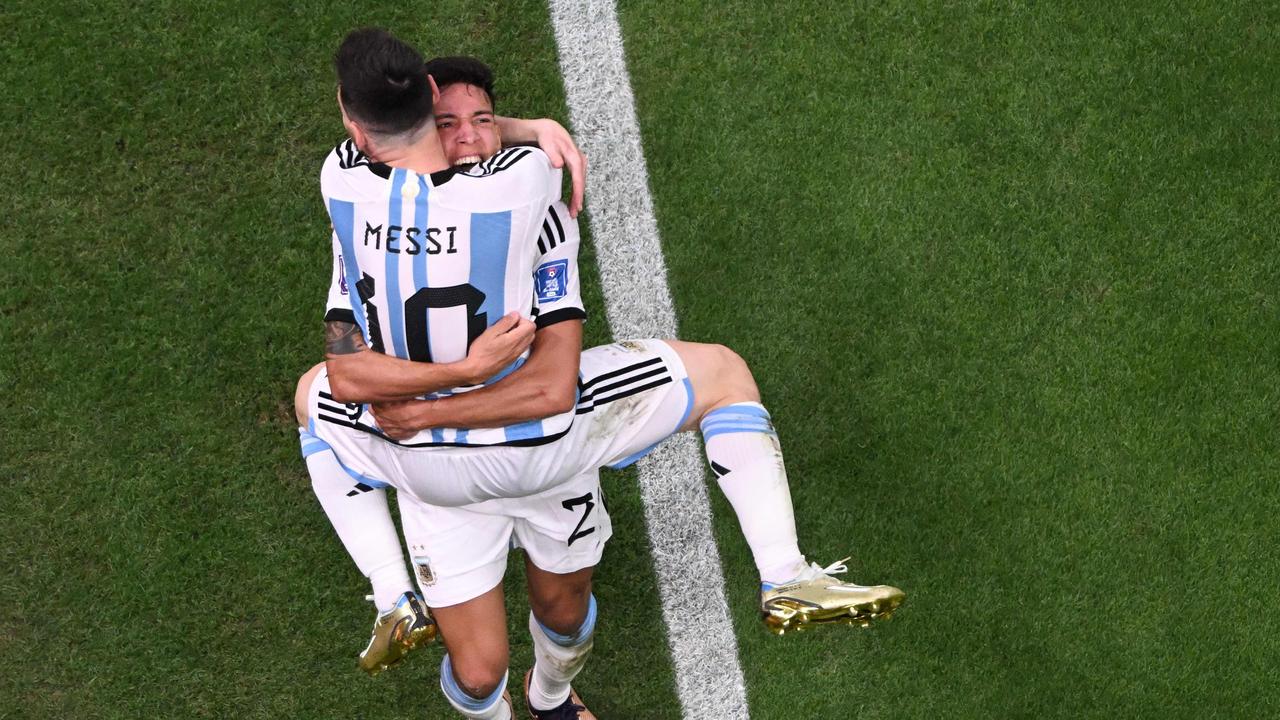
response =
{"points": [[763, 425], [708, 434], [739, 409], [584, 631], [736, 419], [738, 414], [742, 422], [723, 428], [449, 686]]}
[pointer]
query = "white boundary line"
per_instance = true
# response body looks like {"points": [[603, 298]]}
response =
{"points": [[638, 304]]}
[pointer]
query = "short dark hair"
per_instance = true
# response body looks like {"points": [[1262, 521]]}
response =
{"points": [[461, 69], [381, 82]]}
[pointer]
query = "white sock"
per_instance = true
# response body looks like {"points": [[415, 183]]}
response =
{"points": [[744, 453], [490, 708], [558, 659], [360, 516]]}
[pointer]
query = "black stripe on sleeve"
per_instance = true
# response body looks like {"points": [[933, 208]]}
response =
{"points": [[512, 158], [345, 315], [550, 237], [555, 218], [558, 316], [501, 161]]}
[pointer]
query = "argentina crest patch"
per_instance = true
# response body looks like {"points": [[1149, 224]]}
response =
{"points": [[551, 280], [422, 564]]}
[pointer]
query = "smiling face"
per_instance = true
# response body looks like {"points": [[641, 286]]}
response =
{"points": [[466, 125]]}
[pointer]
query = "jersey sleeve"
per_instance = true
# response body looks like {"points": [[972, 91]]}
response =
{"points": [[339, 305], [521, 174], [557, 293]]}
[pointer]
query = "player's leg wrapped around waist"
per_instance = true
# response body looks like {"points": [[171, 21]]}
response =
{"points": [[632, 395]]}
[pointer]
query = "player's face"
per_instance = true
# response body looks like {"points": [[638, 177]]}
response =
{"points": [[465, 122]]}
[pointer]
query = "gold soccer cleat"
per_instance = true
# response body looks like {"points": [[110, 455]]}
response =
{"points": [[404, 627], [816, 598]]}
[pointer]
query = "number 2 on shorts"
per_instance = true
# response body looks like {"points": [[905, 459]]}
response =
{"points": [[570, 504]]}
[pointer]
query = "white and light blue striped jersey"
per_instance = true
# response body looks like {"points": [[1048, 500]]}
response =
{"points": [[425, 263]]}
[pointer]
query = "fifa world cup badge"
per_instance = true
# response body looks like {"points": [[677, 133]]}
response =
{"points": [[550, 281]]}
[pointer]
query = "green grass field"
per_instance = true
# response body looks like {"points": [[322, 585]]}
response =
{"points": [[1006, 274]]}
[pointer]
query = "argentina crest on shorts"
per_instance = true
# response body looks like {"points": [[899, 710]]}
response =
{"points": [[550, 280], [426, 576]]}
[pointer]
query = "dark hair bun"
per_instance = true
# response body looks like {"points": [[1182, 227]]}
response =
{"points": [[399, 82], [382, 81]]}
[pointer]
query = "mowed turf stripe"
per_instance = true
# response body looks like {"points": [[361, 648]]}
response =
{"points": [[638, 304]]}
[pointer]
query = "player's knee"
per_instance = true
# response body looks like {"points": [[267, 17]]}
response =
{"points": [[562, 609], [479, 679], [733, 376], [303, 390]]}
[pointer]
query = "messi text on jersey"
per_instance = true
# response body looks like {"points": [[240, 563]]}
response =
{"points": [[411, 240]]}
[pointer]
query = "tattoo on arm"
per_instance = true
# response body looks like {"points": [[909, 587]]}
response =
{"points": [[342, 338]]}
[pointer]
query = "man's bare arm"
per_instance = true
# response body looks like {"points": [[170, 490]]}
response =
{"points": [[342, 338], [359, 374], [556, 142], [544, 386]]}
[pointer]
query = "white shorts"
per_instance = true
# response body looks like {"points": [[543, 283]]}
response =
{"points": [[460, 553], [464, 507]]}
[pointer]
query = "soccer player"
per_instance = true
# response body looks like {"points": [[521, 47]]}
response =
{"points": [[357, 507], [427, 259]]}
